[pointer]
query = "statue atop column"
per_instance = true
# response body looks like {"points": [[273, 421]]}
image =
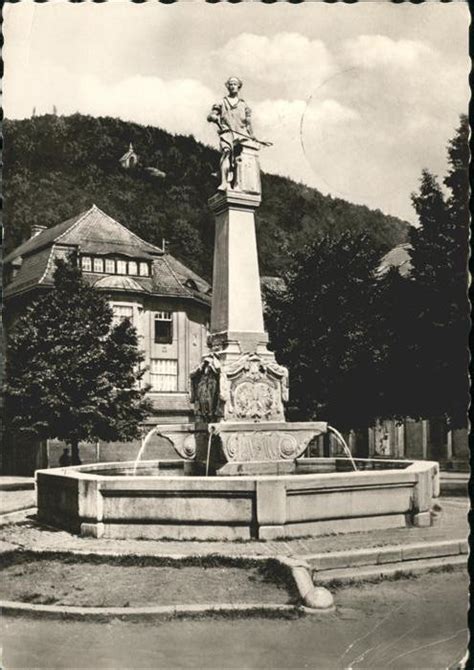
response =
{"points": [[239, 167]]}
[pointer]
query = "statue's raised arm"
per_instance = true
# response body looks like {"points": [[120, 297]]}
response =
{"points": [[233, 118]]}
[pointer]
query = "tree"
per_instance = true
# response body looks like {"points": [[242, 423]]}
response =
{"points": [[361, 346], [323, 326], [70, 162], [71, 374], [391, 336], [439, 256]]}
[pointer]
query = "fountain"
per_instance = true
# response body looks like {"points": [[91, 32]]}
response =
{"points": [[241, 473]]}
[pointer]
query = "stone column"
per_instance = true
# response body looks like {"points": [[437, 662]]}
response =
{"points": [[237, 314], [239, 390], [240, 380]]}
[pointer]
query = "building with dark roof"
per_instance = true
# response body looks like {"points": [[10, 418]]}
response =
{"points": [[167, 302]]}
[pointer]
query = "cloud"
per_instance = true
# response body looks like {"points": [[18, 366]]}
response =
{"points": [[377, 107], [179, 105], [288, 124], [379, 51], [288, 63], [406, 101], [281, 121]]}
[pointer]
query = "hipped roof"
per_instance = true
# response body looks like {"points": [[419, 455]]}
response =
{"points": [[94, 232]]}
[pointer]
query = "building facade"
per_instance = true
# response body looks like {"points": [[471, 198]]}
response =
{"points": [[424, 439], [167, 303]]}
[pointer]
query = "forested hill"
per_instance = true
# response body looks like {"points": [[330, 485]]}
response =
{"points": [[56, 167]]}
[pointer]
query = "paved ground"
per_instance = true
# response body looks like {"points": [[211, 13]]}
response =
{"points": [[454, 483], [14, 483], [453, 525], [11, 501], [411, 623]]}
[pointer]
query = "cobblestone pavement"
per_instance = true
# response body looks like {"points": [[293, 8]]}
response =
{"points": [[453, 525]]}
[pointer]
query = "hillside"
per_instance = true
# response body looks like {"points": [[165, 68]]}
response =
{"points": [[58, 166]]}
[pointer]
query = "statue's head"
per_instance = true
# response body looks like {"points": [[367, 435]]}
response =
{"points": [[233, 84]]}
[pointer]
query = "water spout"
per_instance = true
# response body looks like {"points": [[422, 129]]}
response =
{"points": [[142, 449], [342, 441]]}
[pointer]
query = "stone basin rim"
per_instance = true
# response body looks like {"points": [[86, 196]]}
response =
{"points": [[87, 471], [235, 507]]}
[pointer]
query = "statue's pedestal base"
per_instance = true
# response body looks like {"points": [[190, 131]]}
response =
{"points": [[232, 387]]}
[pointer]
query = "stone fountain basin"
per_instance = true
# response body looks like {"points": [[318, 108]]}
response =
{"points": [[107, 500]]}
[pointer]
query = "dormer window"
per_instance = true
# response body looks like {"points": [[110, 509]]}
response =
{"points": [[121, 267], [110, 266], [190, 283], [98, 264], [113, 266]]}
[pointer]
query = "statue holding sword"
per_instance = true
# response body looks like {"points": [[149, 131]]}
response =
{"points": [[233, 119]]}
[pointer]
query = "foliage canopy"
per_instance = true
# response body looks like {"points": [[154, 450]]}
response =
{"points": [[71, 373], [362, 345], [56, 167]]}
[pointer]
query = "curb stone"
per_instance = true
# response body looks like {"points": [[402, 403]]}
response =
{"points": [[309, 572], [61, 611], [368, 572], [385, 555], [314, 598]]}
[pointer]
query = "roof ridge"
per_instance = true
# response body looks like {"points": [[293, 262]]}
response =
{"points": [[38, 244], [76, 223], [48, 264], [139, 239], [175, 275]]}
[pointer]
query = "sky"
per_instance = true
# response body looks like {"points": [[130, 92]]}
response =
{"points": [[356, 98]]}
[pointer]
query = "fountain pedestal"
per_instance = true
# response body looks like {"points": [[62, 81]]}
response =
{"points": [[239, 390]]}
